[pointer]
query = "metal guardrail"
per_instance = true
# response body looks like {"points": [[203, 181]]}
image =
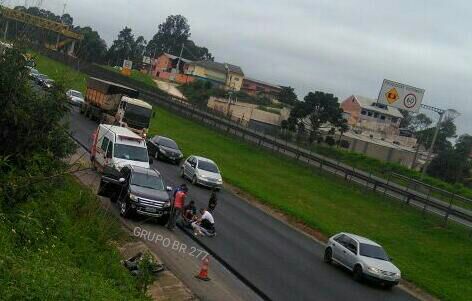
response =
{"points": [[445, 209]]}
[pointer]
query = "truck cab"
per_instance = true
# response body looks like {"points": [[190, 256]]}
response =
{"points": [[134, 114], [115, 104], [115, 147]]}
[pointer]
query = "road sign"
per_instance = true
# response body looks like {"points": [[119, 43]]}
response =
{"points": [[127, 64], [146, 60], [400, 96]]}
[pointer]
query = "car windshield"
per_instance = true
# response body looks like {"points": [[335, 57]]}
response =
{"points": [[129, 152], [42, 76], [137, 117], [76, 94], [208, 166], [34, 71], [147, 180], [168, 143], [373, 251]]}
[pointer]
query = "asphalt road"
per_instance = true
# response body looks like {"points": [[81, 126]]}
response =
{"points": [[282, 262]]}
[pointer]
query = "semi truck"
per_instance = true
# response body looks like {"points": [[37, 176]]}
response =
{"points": [[115, 104]]}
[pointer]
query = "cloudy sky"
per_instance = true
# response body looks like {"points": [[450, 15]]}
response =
{"points": [[342, 47]]}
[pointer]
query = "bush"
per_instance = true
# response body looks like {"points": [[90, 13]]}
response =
{"points": [[330, 140], [344, 144]]}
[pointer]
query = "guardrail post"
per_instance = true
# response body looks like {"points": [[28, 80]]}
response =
{"points": [[446, 216], [388, 184], [426, 203]]}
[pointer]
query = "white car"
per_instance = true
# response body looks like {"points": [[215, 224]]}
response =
{"points": [[365, 258], [75, 97], [202, 171]]}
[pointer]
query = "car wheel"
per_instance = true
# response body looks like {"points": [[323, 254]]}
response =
{"points": [[182, 173], [388, 286], [328, 256], [124, 209], [194, 180], [163, 220], [114, 197], [357, 275]]}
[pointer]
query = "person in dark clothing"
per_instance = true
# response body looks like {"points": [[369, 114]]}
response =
{"points": [[190, 210], [212, 201]]}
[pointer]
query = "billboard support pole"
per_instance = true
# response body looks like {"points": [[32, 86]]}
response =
{"points": [[430, 151]]}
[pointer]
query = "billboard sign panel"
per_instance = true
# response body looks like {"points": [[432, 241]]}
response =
{"points": [[401, 96], [146, 60]]}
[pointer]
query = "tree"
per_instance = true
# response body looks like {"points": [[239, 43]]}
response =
{"points": [[67, 19], [92, 48], [171, 35], [139, 47], [447, 130], [419, 122], [317, 109], [191, 50], [122, 48], [287, 95], [33, 124], [453, 164]]}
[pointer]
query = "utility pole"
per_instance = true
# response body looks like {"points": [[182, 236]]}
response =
{"points": [[59, 35], [180, 57], [6, 31], [430, 151]]}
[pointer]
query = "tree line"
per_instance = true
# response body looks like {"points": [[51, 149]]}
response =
{"points": [[172, 36]]}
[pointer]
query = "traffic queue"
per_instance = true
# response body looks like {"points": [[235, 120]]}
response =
{"points": [[125, 161]]}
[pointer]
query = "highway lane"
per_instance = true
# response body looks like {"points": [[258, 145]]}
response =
{"points": [[282, 262]]}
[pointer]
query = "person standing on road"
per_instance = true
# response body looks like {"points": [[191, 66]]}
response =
{"points": [[212, 201], [177, 206]]}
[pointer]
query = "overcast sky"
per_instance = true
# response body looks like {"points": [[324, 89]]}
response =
{"points": [[342, 47]]}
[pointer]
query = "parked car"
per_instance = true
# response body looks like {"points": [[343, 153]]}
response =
{"points": [[364, 257], [47, 83], [202, 171], [75, 97], [164, 148], [116, 146], [39, 78], [137, 190], [32, 72]]}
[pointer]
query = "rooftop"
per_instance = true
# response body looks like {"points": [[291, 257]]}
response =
{"points": [[369, 104], [174, 57], [221, 67], [137, 102], [262, 82]]}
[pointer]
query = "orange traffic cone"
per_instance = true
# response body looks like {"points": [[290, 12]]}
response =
{"points": [[203, 275]]}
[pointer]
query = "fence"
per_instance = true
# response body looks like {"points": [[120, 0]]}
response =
{"points": [[429, 200]]}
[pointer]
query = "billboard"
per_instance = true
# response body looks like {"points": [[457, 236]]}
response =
{"points": [[127, 64], [400, 96]]}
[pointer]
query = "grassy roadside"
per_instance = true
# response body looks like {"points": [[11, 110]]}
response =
{"points": [[136, 75], [58, 246], [435, 258]]}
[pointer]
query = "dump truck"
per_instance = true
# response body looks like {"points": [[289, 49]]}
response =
{"points": [[115, 104]]}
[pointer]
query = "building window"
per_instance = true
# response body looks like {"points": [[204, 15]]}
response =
{"points": [[369, 114], [382, 117], [364, 112], [236, 79], [376, 115], [394, 119]]}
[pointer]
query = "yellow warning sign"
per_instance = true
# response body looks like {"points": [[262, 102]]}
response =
{"points": [[392, 95]]}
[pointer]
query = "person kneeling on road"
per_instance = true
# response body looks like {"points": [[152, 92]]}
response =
{"points": [[177, 207], [205, 225]]}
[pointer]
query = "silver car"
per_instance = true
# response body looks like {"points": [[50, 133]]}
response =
{"points": [[75, 97], [202, 171], [365, 258]]}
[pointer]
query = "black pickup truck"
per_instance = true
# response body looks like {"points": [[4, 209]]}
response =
{"points": [[137, 190]]}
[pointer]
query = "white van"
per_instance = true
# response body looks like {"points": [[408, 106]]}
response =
{"points": [[115, 146]]}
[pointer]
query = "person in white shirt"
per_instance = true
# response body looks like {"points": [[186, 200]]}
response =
{"points": [[205, 225]]}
